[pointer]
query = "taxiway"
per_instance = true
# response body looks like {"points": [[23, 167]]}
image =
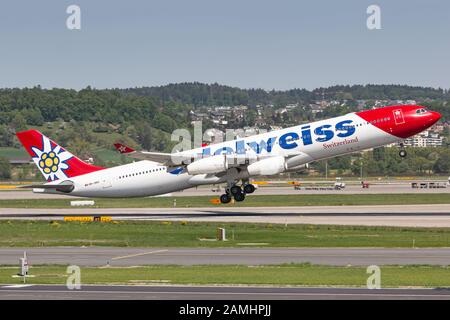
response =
{"points": [[117, 256], [428, 215]]}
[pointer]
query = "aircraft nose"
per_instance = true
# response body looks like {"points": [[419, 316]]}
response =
{"points": [[434, 116]]}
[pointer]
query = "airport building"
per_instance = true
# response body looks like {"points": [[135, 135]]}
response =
{"points": [[424, 139]]}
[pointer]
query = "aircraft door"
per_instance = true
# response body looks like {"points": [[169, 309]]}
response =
{"points": [[398, 116], [107, 184]]}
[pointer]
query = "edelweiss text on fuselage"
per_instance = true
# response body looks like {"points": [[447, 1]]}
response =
{"points": [[289, 140]]}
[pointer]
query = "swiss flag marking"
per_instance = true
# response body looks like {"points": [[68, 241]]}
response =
{"points": [[123, 148], [398, 116]]}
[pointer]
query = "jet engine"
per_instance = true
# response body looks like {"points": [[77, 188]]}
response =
{"points": [[268, 166], [212, 164]]}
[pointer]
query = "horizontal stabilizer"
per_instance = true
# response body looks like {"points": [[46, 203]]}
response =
{"points": [[65, 186]]}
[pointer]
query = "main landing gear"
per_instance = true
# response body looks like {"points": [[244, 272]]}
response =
{"points": [[402, 153], [237, 192]]}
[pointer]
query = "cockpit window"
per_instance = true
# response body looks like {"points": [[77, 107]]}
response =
{"points": [[419, 111]]}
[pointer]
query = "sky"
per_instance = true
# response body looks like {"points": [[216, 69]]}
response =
{"points": [[280, 44]]}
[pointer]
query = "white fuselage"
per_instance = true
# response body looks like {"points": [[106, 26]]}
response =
{"points": [[298, 145]]}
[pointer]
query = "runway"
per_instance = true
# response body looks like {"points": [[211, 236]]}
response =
{"points": [[429, 215], [374, 188], [54, 292], [115, 256]]}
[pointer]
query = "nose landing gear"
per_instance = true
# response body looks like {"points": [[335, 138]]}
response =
{"points": [[402, 153]]}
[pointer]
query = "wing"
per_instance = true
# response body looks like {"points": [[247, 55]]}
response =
{"points": [[169, 159]]}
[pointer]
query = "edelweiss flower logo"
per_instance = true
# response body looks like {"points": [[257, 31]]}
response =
{"points": [[51, 161]]}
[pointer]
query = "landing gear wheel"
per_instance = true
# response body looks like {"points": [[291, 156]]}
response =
{"points": [[225, 198], [402, 153], [249, 188], [239, 197], [235, 190]]}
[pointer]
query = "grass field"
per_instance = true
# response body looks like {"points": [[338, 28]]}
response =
{"points": [[287, 274], [251, 201], [19, 233], [12, 153]]}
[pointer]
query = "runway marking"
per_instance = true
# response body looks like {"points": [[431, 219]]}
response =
{"points": [[303, 255], [138, 254], [18, 286]]}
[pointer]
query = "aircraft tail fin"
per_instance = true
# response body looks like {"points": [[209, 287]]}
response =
{"points": [[52, 160]]}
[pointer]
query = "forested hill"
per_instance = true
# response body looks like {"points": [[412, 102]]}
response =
{"points": [[200, 94], [167, 107], [36, 106], [89, 121], [170, 104]]}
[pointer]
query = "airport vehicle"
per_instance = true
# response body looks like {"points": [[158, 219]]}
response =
{"points": [[322, 187], [428, 185], [231, 162]]}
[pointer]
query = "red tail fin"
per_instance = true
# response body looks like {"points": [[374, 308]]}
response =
{"points": [[54, 162], [123, 148]]}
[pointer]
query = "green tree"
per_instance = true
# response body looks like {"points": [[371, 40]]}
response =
{"points": [[6, 136], [144, 135], [5, 168], [33, 117], [19, 123], [442, 165], [80, 148]]}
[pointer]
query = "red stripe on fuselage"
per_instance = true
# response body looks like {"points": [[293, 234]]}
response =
{"points": [[401, 121]]}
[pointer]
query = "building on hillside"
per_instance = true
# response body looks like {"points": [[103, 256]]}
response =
{"points": [[424, 139]]}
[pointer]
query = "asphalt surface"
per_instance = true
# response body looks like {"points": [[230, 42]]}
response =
{"points": [[429, 215], [54, 292], [101, 256], [399, 188]]}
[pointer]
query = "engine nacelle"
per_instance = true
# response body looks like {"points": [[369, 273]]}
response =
{"points": [[267, 167], [214, 164], [298, 160], [298, 168]]}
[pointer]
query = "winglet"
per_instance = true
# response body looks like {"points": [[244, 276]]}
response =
{"points": [[123, 148]]}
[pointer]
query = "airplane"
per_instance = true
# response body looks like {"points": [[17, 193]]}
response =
{"points": [[232, 162]]}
